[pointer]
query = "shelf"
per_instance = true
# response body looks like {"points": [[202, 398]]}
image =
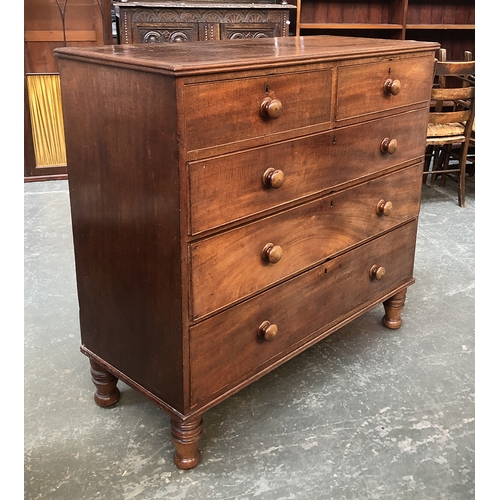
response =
{"points": [[442, 12], [440, 27], [350, 26]]}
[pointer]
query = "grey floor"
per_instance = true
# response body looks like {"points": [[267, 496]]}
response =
{"points": [[368, 413]]}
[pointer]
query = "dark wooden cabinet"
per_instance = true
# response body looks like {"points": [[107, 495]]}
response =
{"points": [[235, 202], [157, 22], [449, 22]]}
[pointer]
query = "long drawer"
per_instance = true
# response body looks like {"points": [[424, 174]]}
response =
{"points": [[230, 187], [237, 263], [241, 107], [230, 347], [378, 86]]}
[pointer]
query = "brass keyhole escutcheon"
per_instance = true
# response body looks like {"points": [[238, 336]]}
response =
{"points": [[377, 272], [389, 146], [392, 87], [272, 253], [384, 207], [271, 108], [273, 178], [268, 331]]}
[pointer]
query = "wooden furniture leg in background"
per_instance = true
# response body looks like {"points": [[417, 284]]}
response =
{"points": [[186, 435], [106, 394], [393, 307]]}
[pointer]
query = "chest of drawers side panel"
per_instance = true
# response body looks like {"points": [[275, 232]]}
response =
{"points": [[124, 193]]}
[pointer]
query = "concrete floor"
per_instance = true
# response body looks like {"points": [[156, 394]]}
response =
{"points": [[368, 413]]}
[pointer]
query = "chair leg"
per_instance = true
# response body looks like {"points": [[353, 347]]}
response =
{"points": [[427, 163], [461, 178], [446, 157], [437, 164]]}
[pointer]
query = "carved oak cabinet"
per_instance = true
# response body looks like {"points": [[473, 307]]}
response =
{"points": [[157, 21], [235, 202]]}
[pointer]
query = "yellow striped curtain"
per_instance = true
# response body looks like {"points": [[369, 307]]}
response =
{"points": [[44, 96]]}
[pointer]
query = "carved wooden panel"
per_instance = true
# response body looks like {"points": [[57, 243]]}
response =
{"points": [[155, 23], [182, 32], [262, 30]]}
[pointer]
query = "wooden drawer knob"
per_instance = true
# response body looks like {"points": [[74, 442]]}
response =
{"points": [[272, 253], [392, 86], [271, 108], [384, 207], [268, 331], [273, 178], [388, 145], [377, 272]]}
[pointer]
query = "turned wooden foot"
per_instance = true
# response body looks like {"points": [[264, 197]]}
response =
{"points": [[106, 394], [186, 435], [393, 307]]}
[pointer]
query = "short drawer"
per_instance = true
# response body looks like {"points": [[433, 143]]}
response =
{"points": [[228, 31], [232, 265], [158, 32], [235, 110], [372, 87], [230, 187], [227, 349]]}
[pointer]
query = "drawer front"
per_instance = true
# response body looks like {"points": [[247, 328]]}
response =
{"points": [[232, 31], [164, 32], [234, 110], [231, 187], [369, 88], [235, 264], [227, 348]]}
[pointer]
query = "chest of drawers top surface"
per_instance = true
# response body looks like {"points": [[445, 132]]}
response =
{"points": [[230, 55]]}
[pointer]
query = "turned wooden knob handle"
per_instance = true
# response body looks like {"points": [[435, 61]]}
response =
{"points": [[272, 253], [273, 178], [384, 207], [377, 272], [388, 145], [268, 331], [392, 86], [271, 108]]}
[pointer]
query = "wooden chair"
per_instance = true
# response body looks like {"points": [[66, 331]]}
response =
{"points": [[451, 120], [454, 150]]}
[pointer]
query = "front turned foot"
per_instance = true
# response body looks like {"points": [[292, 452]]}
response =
{"points": [[106, 394], [186, 435], [393, 307]]}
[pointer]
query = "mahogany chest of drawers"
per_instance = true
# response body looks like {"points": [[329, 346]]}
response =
{"points": [[235, 202], [158, 21]]}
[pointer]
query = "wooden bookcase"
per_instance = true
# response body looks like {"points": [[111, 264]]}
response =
{"points": [[451, 23]]}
